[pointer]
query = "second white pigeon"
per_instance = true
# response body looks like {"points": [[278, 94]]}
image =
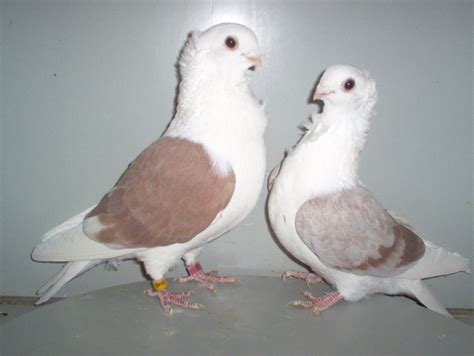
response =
{"points": [[196, 182], [324, 216]]}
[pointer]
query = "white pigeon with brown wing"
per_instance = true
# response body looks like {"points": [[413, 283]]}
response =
{"points": [[196, 182], [324, 216]]}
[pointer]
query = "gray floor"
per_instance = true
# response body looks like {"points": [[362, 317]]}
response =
{"points": [[250, 318], [9, 312]]}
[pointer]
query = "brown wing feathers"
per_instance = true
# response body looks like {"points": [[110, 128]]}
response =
{"points": [[169, 194]]}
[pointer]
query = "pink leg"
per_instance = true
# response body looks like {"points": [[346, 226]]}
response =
{"points": [[168, 298], [317, 304], [308, 277], [207, 280]]}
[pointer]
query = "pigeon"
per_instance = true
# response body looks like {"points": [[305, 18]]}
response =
{"points": [[192, 185], [323, 215]]}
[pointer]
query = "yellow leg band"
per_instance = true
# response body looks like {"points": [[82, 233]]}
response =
{"points": [[160, 284]]}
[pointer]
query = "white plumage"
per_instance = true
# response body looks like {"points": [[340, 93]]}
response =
{"points": [[320, 173], [217, 111]]}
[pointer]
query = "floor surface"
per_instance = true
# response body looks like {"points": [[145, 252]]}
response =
{"points": [[249, 318]]}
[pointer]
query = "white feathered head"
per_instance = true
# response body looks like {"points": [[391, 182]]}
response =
{"points": [[347, 86], [227, 50]]}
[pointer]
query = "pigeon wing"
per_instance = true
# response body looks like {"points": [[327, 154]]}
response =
{"points": [[168, 195], [349, 230]]}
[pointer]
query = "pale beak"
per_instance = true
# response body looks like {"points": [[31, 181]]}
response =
{"points": [[319, 94], [254, 59]]}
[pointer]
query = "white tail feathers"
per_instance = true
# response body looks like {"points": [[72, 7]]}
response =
{"points": [[437, 261], [67, 243], [68, 272], [424, 295]]}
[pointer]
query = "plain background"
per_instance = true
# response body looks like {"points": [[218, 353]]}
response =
{"points": [[87, 85]]}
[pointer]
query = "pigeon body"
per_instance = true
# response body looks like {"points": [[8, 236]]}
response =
{"points": [[196, 182], [324, 216]]}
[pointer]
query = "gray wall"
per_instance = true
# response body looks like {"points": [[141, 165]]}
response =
{"points": [[87, 85]]}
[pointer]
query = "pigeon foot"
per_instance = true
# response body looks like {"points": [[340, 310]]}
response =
{"points": [[207, 280], [169, 298], [317, 304], [308, 277]]}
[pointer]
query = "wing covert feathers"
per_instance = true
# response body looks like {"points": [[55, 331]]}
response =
{"points": [[349, 230], [168, 195]]}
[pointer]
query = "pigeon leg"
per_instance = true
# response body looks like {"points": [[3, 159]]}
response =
{"points": [[317, 304], [168, 298], [207, 280], [308, 277]]}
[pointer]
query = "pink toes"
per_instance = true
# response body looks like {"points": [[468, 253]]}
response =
{"points": [[207, 280], [169, 298], [308, 277], [317, 304]]}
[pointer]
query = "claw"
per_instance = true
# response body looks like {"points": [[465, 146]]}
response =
{"points": [[206, 280], [317, 304], [308, 277], [206, 284], [310, 296], [315, 311], [183, 279], [168, 298]]}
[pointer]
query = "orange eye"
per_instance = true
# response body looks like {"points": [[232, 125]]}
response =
{"points": [[231, 43], [349, 84]]}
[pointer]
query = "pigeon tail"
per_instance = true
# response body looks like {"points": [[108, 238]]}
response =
{"points": [[424, 295], [68, 272], [67, 243], [437, 261]]}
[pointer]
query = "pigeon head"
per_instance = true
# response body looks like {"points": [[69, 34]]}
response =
{"points": [[225, 51], [346, 86]]}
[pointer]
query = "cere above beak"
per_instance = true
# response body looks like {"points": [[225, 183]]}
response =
{"points": [[255, 60], [319, 94]]}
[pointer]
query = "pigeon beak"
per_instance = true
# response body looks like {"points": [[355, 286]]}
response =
{"points": [[255, 60], [319, 94]]}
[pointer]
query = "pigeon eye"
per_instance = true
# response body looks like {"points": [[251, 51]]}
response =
{"points": [[231, 43], [349, 84]]}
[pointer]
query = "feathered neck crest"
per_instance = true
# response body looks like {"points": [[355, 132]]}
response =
{"points": [[187, 57], [369, 100], [189, 74]]}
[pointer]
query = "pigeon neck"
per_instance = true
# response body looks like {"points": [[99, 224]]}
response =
{"points": [[349, 127], [203, 88], [334, 149]]}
